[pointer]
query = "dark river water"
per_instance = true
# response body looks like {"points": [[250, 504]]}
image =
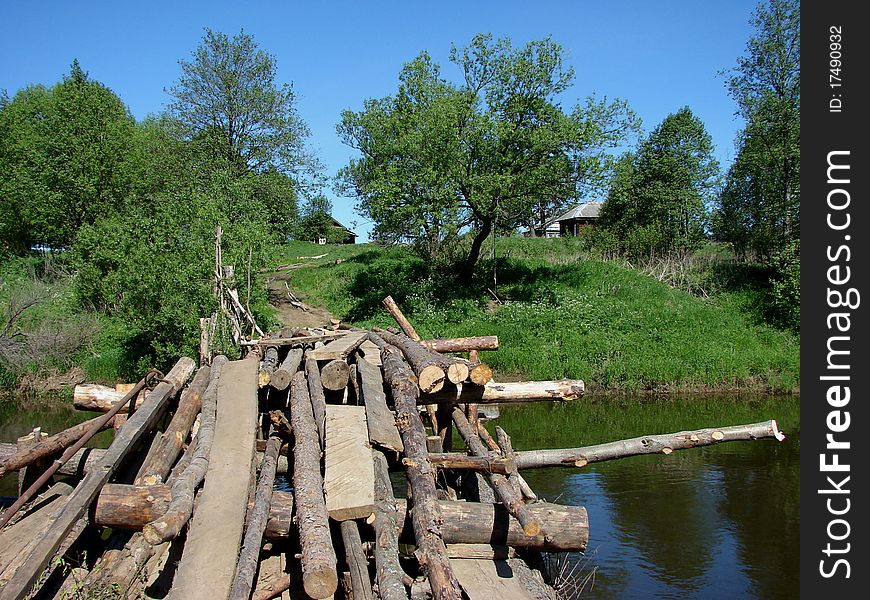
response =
{"points": [[714, 522]]}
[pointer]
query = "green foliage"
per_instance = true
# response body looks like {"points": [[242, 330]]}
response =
{"points": [[227, 100], [63, 154], [786, 302], [316, 222], [658, 198], [438, 158]]}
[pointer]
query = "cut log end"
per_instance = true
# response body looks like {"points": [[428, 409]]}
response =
{"points": [[480, 374], [263, 379], [320, 583], [780, 436], [532, 528], [431, 379], [457, 372]]}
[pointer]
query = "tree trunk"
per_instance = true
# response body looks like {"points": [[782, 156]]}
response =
{"points": [[520, 391], [467, 270], [397, 314], [319, 575], [426, 364], [426, 516], [466, 344]]}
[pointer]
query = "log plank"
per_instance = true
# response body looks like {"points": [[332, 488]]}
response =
{"points": [[349, 480]]}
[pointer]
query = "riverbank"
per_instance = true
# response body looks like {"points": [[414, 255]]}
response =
{"points": [[559, 312]]}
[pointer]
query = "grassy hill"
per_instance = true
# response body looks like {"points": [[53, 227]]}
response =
{"points": [[559, 313]]}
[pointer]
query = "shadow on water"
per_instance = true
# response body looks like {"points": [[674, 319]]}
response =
{"points": [[714, 522]]}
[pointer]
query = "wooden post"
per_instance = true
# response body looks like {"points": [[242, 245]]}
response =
{"points": [[319, 574], [77, 504], [426, 516]]}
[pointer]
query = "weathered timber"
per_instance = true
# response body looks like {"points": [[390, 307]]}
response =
{"points": [[335, 375], [280, 379], [257, 517], [379, 418], [506, 447], [466, 344], [27, 476], [357, 565], [349, 479], [472, 411], [317, 398], [484, 579], [212, 546], [297, 340], [78, 502], [268, 366], [503, 488], [426, 365], [521, 391], [168, 446], [273, 588], [370, 353], [388, 570], [45, 448], [488, 464], [648, 444], [319, 574], [426, 516], [397, 314], [339, 348], [281, 424], [480, 551], [90, 396], [169, 525], [120, 505]]}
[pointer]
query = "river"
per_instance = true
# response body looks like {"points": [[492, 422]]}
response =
{"points": [[714, 522]]}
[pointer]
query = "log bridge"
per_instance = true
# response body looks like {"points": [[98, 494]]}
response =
{"points": [[185, 502]]}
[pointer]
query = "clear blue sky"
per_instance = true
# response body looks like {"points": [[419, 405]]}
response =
{"points": [[659, 56]]}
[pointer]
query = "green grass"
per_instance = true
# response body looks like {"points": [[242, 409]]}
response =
{"points": [[565, 314]]}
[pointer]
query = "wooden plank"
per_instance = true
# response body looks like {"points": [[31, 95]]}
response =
{"points": [[485, 579], [303, 340], [370, 353], [142, 421], [349, 481], [209, 558], [379, 418], [340, 348]]}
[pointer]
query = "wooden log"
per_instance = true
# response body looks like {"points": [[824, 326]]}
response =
{"points": [[426, 516], [426, 365], [319, 573], [357, 564], [380, 420], [349, 479], [397, 314], [78, 502], [317, 398], [503, 488], [299, 340], [280, 379], [339, 348], [169, 444], [466, 344], [335, 375], [463, 522], [388, 570], [169, 525], [488, 464], [647, 444], [273, 588], [258, 515], [521, 391], [46, 447], [268, 366], [90, 396], [506, 447], [213, 539], [481, 551], [27, 476]]}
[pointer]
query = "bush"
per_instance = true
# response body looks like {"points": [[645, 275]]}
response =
{"points": [[786, 293]]}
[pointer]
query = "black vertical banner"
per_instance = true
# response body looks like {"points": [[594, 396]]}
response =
{"points": [[835, 367]]}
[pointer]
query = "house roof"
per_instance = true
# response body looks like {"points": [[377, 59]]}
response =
{"points": [[586, 210], [335, 223]]}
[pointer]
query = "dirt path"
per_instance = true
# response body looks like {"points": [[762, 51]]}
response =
{"points": [[289, 315]]}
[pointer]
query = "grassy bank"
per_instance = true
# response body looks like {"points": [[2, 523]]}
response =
{"points": [[560, 313]]}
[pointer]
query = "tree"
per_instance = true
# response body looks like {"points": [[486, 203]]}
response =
{"points": [[227, 99], [759, 208], [316, 220], [662, 193], [63, 155], [439, 159]]}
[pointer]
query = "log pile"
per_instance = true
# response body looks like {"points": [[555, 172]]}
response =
{"points": [[336, 412]]}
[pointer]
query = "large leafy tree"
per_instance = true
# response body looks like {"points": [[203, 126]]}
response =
{"points": [[441, 158], [228, 99], [664, 189], [759, 207], [64, 156]]}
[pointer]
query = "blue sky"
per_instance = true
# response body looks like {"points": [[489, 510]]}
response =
{"points": [[659, 56]]}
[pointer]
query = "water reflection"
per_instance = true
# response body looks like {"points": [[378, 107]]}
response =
{"points": [[715, 522]]}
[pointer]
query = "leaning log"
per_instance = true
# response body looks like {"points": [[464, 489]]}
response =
{"points": [[463, 522], [426, 516], [521, 391], [142, 421], [397, 314], [319, 574], [503, 488], [280, 379], [46, 447], [426, 365], [388, 570], [169, 444], [169, 525], [466, 344]]}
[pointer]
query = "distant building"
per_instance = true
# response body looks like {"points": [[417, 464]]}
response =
{"points": [[569, 223], [339, 235]]}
